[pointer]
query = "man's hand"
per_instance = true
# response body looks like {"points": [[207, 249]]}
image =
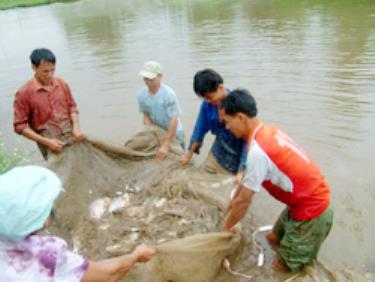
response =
{"points": [[185, 159], [162, 152], [55, 145], [78, 134], [233, 229], [144, 253]]}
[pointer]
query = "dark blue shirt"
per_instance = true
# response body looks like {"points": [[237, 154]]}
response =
{"points": [[229, 151]]}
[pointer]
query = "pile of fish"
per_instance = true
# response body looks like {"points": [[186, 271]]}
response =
{"points": [[142, 216]]}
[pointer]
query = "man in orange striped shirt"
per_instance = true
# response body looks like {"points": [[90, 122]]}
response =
{"points": [[277, 164]]}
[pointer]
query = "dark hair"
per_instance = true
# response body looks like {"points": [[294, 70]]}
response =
{"points": [[206, 81], [42, 54], [239, 101]]}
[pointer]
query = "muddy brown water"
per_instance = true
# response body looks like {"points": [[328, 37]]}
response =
{"points": [[310, 65]]}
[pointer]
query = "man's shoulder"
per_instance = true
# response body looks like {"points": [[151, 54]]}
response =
{"points": [[165, 89], [25, 88], [207, 107], [60, 80], [142, 93], [256, 150]]}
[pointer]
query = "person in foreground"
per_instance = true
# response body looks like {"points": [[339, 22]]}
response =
{"points": [[44, 108], [159, 105], [228, 153], [27, 197], [279, 165]]}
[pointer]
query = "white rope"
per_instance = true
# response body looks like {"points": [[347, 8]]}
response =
{"points": [[226, 181], [292, 278], [227, 267], [260, 256], [258, 246]]}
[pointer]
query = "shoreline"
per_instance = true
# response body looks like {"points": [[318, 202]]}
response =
{"points": [[11, 4]]}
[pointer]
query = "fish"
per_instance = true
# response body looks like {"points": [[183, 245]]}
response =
{"points": [[99, 206]]}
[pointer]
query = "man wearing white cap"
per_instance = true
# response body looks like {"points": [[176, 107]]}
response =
{"points": [[158, 103]]}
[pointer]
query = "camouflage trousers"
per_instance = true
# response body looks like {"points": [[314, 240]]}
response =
{"points": [[300, 241]]}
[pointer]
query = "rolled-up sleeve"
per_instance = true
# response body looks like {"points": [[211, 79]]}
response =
{"points": [[70, 100], [21, 113], [202, 125]]}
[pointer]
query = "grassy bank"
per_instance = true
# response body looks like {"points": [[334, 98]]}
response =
{"points": [[7, 162], [11, 159], [8, 4]]}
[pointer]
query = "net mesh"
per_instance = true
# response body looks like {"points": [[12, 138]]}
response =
{"points": [[119, 197]]}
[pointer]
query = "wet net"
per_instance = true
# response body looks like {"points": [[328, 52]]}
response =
{"points": [[118, 197]]}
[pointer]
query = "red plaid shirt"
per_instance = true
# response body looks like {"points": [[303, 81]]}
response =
{"points": [[45, 111]]}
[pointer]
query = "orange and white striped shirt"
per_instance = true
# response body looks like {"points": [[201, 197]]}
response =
{"points": [[276, 163]]}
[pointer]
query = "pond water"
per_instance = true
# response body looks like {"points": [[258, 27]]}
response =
{"points": [[310, 65]]}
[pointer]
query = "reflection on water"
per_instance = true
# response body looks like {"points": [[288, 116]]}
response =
{"points": [[310, 64]]}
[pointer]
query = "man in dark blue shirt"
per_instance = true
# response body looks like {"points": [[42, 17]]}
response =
{"points": [[228, 153]]}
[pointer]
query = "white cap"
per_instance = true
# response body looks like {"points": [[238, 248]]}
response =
{"points": [[151, 69]]}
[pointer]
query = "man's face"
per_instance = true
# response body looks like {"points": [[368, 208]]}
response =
{"points": [[236, 124], [45, 72], [152, 83], [217, 96]]}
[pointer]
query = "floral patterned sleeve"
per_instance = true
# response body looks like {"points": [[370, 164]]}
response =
{"points": [[40, 258], [70, 266]]}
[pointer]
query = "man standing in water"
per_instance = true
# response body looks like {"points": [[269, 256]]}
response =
{"points": [[44, 108], [228, 153], [159, 105], [276, 163]]}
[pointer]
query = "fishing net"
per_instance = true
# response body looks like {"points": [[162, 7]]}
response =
{"points": [[118, 197]]}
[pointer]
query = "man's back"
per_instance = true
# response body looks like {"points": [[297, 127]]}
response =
{"points": [[290, 176]]}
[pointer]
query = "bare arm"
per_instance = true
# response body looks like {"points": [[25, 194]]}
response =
{"points": [[189, 154], [171, 131], [114, 269], [146, 119], [164, 148], [238, 207], [77, 133], [55, 145], [239, 176]]}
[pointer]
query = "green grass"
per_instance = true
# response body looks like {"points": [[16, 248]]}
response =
{"points": [[8, 4], [10, 160]]}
